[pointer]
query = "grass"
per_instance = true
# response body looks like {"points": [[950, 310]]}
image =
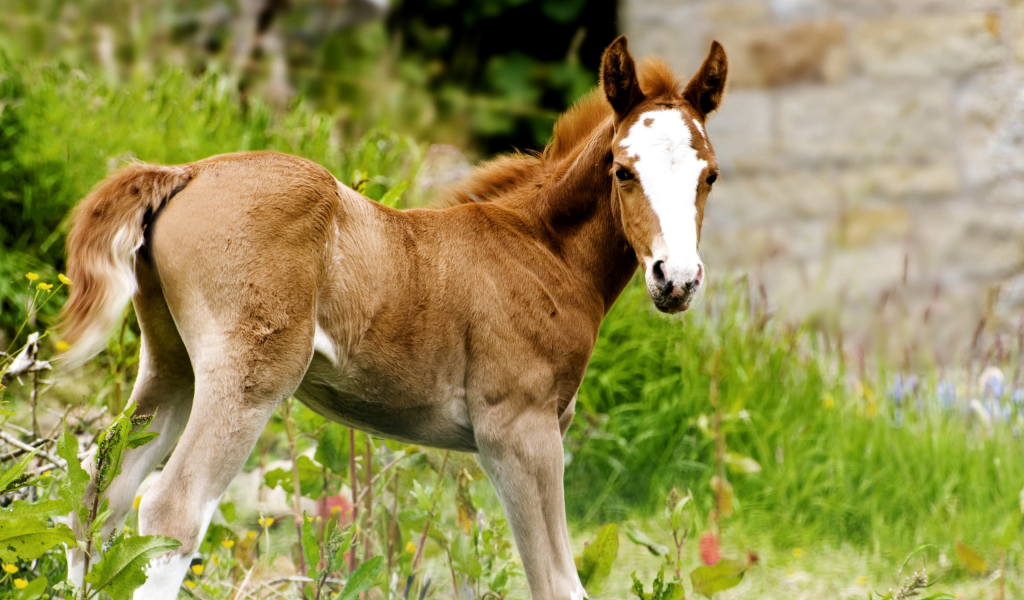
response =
{"points": [[842, 462]]}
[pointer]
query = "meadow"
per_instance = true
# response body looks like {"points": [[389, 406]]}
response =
{"points": [[729, 430]]}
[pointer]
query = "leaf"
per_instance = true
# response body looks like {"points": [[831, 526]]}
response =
{"points": [[332, 449], [138, 439], [227, 510], [311, 480], [464, 557], [112, 444], [725, 574], [422, 497], [11, 479], [72, 488], [392, 195], [122, 568], [595, 565], [28, 537], [640, 538], [361, 579], [970, 558], [310, 547], [738, 463]]}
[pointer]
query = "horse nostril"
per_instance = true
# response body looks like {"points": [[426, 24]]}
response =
{"points": [[658, 272], [700, 274]]}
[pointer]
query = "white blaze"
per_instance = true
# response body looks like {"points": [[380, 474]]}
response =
{"points": [[668, 169]]}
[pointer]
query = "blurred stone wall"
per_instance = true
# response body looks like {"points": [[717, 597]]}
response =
{"points": [[872, 157]]}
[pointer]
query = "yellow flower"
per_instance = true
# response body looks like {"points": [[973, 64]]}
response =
{"points": [[20, 584], [250, 534], [190, 584], [410, 548], [798, 552], [44, 287], [310, 519], [10, 568], [828, 401], [862, 580], [335, 510], [138, 501], [266, 522], [229, 544], [197, 569], [31, 276], [64, 279], [215, 560], [872, 409], [47, 473], [63, 346]]}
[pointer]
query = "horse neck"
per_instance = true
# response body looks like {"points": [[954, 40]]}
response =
{"points": [[583, 224]]}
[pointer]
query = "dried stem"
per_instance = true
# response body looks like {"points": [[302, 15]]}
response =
{"points": [[289, 426]]}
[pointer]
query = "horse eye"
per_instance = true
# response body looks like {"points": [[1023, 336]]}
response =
{"points": [[712, 178], [623, 174]]}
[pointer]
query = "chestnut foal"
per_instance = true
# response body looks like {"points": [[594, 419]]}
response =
{"points": [[257, 276]]}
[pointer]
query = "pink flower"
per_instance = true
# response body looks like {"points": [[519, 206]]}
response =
{"points": [[709, 549], [340, 506]]}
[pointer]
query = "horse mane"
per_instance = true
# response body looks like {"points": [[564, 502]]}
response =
{"points": [[517, 169]]}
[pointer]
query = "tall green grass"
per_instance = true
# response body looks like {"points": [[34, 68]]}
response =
{"points": [[838, 464], [63, 130]]}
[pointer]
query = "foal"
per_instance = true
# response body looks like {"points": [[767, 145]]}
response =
{"points": [[257, 276]]}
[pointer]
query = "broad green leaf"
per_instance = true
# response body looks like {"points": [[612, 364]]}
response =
{"points": [[640, 538], [595, 565], [28, 537], [332, 448], [11, 479], [500, 581], [138, 439], [122, 568], [310, 547], [72, 488], [361, 579], [392, 195], [970, 558], [422, 497], [725, 574], [464, 557], [311, 478]]}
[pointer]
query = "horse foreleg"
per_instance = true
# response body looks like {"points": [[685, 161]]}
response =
{"points": [[522, 455]]}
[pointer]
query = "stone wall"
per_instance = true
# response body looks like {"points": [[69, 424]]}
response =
{"points": [[872, 156]]}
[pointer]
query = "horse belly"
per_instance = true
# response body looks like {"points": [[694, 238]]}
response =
{"points": [[438, 419]]}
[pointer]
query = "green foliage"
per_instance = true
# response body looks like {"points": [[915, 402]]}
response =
{"points": [[723, 575], [361, 579], [595, 564], [660, 590], [27, 537], [63, 130], [834, 467], [121, 570]]}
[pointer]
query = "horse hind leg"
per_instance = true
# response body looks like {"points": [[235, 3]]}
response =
{"points": [[235, 397], [164, 388]]}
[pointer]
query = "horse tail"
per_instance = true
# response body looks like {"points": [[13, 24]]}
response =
{"points": [[107, 230]]}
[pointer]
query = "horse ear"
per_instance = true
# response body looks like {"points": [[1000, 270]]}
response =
{"points": [[706, 88], [618, 77]]}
